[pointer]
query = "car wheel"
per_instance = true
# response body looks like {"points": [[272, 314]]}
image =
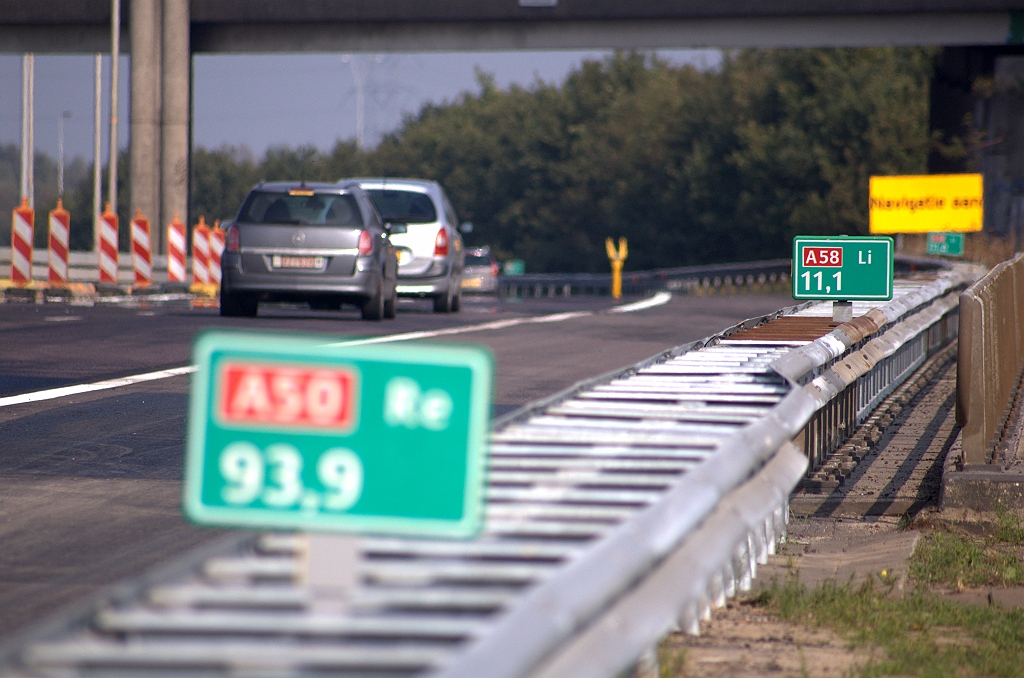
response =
{"points": [[238, 305], [391, 305], [457, 302], [373, 308], [443, 303]]}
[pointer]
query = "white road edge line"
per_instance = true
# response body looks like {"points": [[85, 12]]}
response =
{"points": [[63, 391], [657, 300], [482, 327]]}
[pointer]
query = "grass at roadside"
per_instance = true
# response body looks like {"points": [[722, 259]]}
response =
{"points": [[918, 634], [873, 630], [952, 559], [956, 561]]}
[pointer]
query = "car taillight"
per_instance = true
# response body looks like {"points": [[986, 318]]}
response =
{"points": [[494, 268], [441, 243], [233, 241], [365, 243]]}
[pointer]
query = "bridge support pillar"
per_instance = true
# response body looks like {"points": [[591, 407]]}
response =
{"points": [[145, 108], [176, 83]]}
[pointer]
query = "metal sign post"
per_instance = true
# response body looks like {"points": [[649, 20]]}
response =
{"points": [[286, 432], [842, 269]]}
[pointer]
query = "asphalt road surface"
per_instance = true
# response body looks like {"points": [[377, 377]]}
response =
{"points": [[90, 483]]}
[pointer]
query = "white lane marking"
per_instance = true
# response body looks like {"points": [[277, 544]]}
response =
{"points": [[494, 325], [657, 300], [63, 391]]}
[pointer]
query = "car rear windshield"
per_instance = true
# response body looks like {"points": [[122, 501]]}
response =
{"points": [[327, 209], [404, 207], [475, 260]]}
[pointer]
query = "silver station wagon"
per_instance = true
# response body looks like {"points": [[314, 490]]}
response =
{"points": [[430, 251], [325, 244]]}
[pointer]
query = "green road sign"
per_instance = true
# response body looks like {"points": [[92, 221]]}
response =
{"points": [[946, 244], [287, 432], [514, 267], [842, 268]]}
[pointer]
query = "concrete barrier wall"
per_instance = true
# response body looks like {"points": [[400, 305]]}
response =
{"points": [[990, 355]]}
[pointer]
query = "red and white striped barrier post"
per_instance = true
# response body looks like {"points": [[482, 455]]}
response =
{"points": [[60, 230], [108, 246], [142, 253], [201, 254], [176, 251], [22, 223], [216, 249]]}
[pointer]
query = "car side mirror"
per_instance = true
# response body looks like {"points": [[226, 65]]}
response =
{"points": [[466, 227], [394, 229]]}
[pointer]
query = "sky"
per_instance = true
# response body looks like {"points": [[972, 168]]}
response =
{"points": [[259, 101]]}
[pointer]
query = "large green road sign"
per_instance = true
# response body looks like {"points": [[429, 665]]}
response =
{"points": [[842, 268], [286, 432]]}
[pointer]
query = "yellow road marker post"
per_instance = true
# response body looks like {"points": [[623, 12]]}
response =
{"points": [[616, 259]]}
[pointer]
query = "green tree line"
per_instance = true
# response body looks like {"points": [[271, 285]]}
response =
{"points": [[692, 166]]}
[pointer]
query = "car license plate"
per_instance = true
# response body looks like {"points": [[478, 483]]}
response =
{"points": [[472, 282], [281, 261], [404, 255]]}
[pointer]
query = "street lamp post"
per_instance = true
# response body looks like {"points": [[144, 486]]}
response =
{"points": [[357, 77], [60, 152]]}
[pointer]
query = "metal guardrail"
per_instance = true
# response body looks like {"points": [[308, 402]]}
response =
{"points": [[617, 510], [871, 368], [771, 275], [752, 276], [990, 356]]}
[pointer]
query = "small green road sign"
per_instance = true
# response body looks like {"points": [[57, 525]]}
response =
{"points": [[946, 244], [288, 432], [514, 267], [842, 268]]}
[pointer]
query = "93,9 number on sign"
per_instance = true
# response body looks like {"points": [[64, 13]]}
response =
{"points": [[274, 477], [295, 432]]}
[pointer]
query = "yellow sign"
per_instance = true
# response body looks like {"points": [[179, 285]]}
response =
{"points": [[926, 203], [616, 258]]}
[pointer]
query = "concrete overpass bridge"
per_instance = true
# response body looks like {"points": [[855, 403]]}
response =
{"points": [[161, 36]]}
